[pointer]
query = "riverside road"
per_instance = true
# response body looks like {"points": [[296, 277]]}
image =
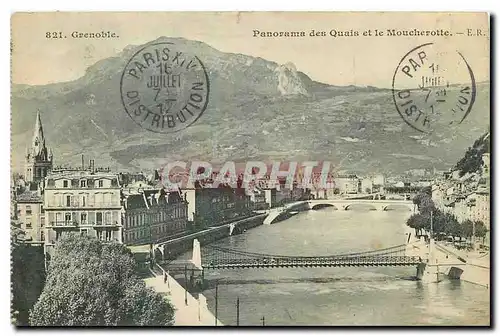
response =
{"points": [[337, 296]]}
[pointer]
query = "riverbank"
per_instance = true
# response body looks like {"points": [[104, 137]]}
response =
{"points": [[189, 311], [473, 267], [174, 247], [336, 295], [477, 267]]}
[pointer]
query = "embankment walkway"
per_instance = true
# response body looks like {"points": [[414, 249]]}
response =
{"points": [[189, 311], [473, 267]]}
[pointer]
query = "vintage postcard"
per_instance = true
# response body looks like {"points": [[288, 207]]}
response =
{"points": [[250, 169]]}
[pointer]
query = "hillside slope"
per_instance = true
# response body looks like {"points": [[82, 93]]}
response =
{"points": [[258, 110]]}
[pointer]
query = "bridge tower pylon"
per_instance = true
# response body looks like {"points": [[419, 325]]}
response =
{"points": [[231, 228], [428, 272], [196, 259]]}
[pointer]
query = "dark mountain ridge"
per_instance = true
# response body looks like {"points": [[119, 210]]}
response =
{"points": [[258, 109]]}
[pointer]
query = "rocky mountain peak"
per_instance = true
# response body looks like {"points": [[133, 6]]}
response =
{"points": [[289, 81]]}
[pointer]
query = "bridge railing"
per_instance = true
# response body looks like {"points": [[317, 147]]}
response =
{"points": [[221, 255], [284, 262]]}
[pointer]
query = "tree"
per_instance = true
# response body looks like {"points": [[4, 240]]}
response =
{"points": [[457, 230], [442, 222], [467, 228], [451, 225], [417, 199], [424, 202], [27, 276], [481, 230], [418, 222], [91, 283], [427, 191], [427, 205]]}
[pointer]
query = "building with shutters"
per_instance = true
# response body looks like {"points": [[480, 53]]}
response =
{"points": [[153, 216], [209, 207], [82, 201], [27, 197], [30, 215]]}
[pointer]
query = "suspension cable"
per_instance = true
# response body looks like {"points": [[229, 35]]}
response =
{"points": [[384, 251]]}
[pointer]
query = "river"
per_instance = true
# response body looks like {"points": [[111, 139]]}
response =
{"points": [[338, 296]]}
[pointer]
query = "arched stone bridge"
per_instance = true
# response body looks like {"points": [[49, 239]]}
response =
{"points": [[382, 205], [339, 204]]}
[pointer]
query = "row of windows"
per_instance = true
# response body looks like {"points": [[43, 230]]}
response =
{"points": [[84, 218], [135, 220], [221, 199], [28, 210], [83, 199], [146, 233], [104, 235], [83, 183]]}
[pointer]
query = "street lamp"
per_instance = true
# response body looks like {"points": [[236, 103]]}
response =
{"points": [[216, 301], [148, 217], [237, 311]]}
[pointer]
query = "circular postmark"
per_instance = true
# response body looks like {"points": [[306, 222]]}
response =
{"points": [[164, 88], [433, 87]]}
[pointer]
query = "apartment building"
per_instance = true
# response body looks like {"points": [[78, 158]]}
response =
{"points": [[153, 215], [82, 201]]}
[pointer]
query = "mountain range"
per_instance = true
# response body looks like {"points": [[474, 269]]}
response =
{"points": [[258, 110]]}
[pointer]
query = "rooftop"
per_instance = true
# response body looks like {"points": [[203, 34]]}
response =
{"points": [[29, 197], [77, 174], [149, 198]]}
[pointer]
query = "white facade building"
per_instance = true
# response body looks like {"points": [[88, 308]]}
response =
{"points": [[85, 202]]}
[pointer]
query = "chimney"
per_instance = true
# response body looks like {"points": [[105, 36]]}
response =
{"points": [[91, 166], [83, 163]]}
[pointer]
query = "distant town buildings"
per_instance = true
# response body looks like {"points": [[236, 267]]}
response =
{"points": [[467, 197], [379, 180], [486, 164], [347, 184], [417, 172], [481, 209], [401, 184], [366, 186]]}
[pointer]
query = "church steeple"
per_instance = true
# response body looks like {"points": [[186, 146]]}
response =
{"points": [[38, 156], [38, 141]]}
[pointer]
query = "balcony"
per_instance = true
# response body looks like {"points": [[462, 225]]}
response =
{"points": [[100, 205], [61, 224], [75, 224], [105, 224]]}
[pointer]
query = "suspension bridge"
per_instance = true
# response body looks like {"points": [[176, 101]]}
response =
{"points": [[216, 257]]}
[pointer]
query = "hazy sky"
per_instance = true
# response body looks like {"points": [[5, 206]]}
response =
{"points": [[336, 60]]}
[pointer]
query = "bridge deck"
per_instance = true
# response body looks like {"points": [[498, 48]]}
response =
{"points": [[314, 262]]}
